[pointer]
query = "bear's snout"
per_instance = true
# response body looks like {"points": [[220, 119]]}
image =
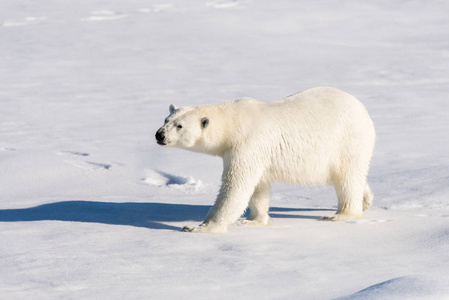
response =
{"points": [[160, 137]]}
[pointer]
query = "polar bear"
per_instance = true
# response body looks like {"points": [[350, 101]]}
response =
{"points": [[319, 136]]}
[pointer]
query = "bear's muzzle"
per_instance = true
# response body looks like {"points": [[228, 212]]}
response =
{"points": [[160, 137]]}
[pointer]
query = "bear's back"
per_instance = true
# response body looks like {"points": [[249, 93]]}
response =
{"points": [[309, 132]]}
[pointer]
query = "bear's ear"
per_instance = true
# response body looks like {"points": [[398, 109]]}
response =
{"points": [[204, 122], [171, 108]]}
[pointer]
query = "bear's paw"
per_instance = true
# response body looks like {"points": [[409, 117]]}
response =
{"points": [[205, 228], [342, 217], [264, 222]]}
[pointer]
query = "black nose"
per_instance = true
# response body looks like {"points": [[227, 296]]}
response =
{"points": [[160, 136]]}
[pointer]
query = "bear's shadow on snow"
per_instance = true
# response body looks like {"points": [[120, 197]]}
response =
{"points": [[146, 215], [274, 213]]}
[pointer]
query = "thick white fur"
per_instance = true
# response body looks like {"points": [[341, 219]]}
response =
{"points": [[319, 136]]}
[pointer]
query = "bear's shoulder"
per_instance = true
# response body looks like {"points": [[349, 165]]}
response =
{"points": [[245, 100], [246, 103]]}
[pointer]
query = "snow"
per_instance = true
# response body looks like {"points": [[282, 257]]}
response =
{"points": [[91, 207]]}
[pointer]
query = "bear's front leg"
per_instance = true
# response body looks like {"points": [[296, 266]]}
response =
{"points": [[238, 184]]}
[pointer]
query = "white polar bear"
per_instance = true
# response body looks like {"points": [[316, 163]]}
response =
{"points": [[321, 135]]}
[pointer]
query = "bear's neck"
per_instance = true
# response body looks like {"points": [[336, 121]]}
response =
{"points": [[219, 137]]}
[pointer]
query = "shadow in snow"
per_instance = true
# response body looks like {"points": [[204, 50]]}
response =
{"points": [[174, 179], [405, 287], [147, 215], [285, 216], [275, 215], [287, 209]]}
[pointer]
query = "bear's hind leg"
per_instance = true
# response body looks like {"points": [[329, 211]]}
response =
{"points": [[259, 206], [367, 197], [350, 195]]}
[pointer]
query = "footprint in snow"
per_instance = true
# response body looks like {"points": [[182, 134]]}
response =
{"points": [[96, 165], [73, 153], [104, 15], [180, 183], [89, 165]]}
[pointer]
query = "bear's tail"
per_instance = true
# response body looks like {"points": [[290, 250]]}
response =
{"points": [[367, 197]]}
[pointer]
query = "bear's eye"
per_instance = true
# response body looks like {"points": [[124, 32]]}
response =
{"points": [[166, 121], [204, 122], [179, 126]]}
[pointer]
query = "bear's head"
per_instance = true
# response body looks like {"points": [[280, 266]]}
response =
{"points": [[184, 128]]}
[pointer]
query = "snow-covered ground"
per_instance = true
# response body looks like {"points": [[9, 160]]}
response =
{"points": [[91, 207]]}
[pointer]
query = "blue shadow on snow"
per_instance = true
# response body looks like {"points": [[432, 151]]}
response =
{"points": [[147, 215]]}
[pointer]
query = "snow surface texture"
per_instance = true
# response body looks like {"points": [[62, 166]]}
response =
{"points": [[91, 207]]}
